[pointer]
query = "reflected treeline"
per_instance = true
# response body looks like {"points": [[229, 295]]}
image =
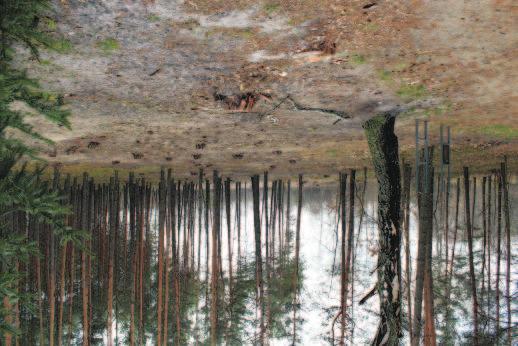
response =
{"points": [[164, 264], [214, 261]]}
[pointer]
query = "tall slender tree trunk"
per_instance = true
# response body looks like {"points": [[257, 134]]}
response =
{"points": [[498, 254], [469, 231], [296, 259], [383, 145], [161, 226], [258, 254], [424, 280], [507, 218], [343, 263], [229, 235], [62, 292], [407, 177], [215, 261]]}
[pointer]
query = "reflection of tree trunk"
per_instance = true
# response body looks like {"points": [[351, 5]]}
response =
{"points": [[503, 170], [407, 177], [62, 292], [84, 279], [215, 262], [498, 253], [238, 220], [207, 242], [484, 236], [469, 231], [343, 290], [161, 224], [383, 145], [489, 226], [258, 255], [297, 254], [167, 250], [429, 315], [229, 234], [133, 249], [423, 281]]}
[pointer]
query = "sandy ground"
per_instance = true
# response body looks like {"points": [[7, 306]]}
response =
{"points": [[281, 86]]}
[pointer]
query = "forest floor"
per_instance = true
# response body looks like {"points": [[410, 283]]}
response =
{"points": [[282, 86]]}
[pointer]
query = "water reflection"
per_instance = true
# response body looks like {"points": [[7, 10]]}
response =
{"points": [[178, 264]]}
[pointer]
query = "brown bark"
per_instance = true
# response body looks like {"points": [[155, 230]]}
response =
{"points": [[507, 218], [407, 177], [469, 231], [383, 145], [258, 254]]}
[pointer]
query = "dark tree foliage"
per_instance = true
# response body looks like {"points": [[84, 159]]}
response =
{"points": [[23, 27]]}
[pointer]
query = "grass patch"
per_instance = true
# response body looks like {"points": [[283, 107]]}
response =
{"points": [[412, 91], [358, 59], [51, 24], [61, 46], [271, 8], [385, 75], [500, 131], [153, 17], [371, 27], [108, 45], [332, 152]]}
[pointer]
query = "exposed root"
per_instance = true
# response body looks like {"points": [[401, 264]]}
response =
{"points": [[241, 102], [300, 107]]}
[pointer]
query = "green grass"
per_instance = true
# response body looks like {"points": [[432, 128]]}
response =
{"points": [[412, 91], [153, 18], [61, 46], [271, 8], [108, 45], [51, 24], [358, 59], [385, 75], [500, 131], [332, 152], [371, 27]]}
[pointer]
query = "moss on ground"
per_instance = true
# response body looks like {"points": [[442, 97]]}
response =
{"points": [[108, 45], [412, 91], [500, 131]]}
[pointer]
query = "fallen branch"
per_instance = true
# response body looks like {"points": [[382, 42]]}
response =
{"points": [[300, 107], [369, 295]]}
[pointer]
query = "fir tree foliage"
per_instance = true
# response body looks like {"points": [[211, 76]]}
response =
{"points": [[23, 27]]}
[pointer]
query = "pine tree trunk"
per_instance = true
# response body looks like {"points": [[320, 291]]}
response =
{"points": [[469, 231], [383, 145], [215, 260], [407, 177], [258, 255], [498, 254], [507, 218], [343, 267]]}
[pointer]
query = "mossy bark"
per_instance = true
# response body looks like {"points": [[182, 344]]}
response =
{"points": [[383, 145]]}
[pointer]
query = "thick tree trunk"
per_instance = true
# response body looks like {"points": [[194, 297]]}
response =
{"points": [[383, 145]]}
